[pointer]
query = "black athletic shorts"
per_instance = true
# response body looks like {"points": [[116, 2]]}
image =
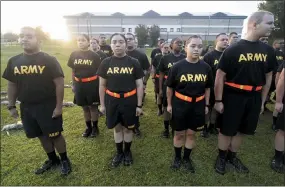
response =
{"points": [[280, 123], [37, 119], [86, 93], [241, 112], [188, 115], [164, 95], [121, 110]]}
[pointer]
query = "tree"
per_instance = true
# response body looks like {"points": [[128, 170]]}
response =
{"points": [[43, 35], [154, 34], [277, 8], [142, 34], [10, 37]]}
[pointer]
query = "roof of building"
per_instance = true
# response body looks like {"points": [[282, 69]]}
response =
{"points": [[153, 14]]}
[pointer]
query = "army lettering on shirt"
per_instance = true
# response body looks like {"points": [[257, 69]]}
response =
{"points": [[247, 62], [84, 63], [212, 59], [107, 50], [141, 57], [280, 56], [121, 73], [168, 61], [156, 62], [34, 75], [190, 79]]}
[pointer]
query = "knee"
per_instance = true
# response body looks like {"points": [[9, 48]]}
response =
{"points": [[86, 109], [118, 129], [190, 135], [179, 136], [280, 133], [93, 108]]}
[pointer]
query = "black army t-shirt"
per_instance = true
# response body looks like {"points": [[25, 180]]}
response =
{"points": [[281, 66], [102, 55], [34, 75], [190, 79], [121, 73], [156, 62], [84, 63], [155, 52], [167, 62], [212, 58], [107, 50], [247, 62], [141, 57], [280, 56]]}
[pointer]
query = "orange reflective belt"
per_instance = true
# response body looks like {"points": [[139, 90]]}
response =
{"points": [[243, 87], [117, 95], [187, 98], [86, 79]]}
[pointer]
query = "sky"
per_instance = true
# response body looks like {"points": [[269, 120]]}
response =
{"points": [[49, 14]]}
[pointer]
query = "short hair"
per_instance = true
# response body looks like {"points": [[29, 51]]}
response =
{"points": [[232, 33], [191, 37], [220, 35], [129, 33], [258, 16], [163, 44], [93, 38], [115, 34], [102, 35], [85, 36]]}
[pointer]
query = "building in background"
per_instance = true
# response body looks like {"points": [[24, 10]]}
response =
{"points": [[185, 24]]}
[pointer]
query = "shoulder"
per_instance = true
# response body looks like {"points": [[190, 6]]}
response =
{"points": [[106, 60], [133, 60], [180, 63], [15, 58], [204, 64], [48, 56]]}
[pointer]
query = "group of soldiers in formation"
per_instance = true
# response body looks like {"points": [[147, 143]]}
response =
{"points": [[219, 91]]}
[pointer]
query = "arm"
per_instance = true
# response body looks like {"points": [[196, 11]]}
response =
{"points": [[59, 90], [169, 93], [207, 96], [139, 84], [219, 84], [266, 87], [102, 89], [280, 88], [277, 78], [12, 93], [161, 76]]}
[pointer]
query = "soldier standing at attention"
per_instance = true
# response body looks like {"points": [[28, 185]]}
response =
{"points": [[104, 46], [37, 81], [96, 48], [166, 62], [242, 83], [121, 93]]}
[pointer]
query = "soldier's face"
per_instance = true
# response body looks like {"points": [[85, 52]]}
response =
{"points": [[266, 26], [233, 39], [102, 40], [130, 40], [177, 45], [222, 41], [28, 39], [94, 44], [82, 42], [165, 48], [194, 48], [118, 44]]}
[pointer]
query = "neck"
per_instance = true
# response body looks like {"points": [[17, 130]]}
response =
{"points": [[176, 52], [84, 49], [219, 49], [120, 55], [95, 50], [251, 37], [192, 60], [32, 52], [130, 48]]}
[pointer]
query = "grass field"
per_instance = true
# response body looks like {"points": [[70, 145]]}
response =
{"points": [[152, 154]]}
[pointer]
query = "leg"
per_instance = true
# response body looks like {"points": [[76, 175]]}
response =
{"points": [[94, 117], [277, 162], [274, 118], [178, 141], [53, 161], [128, 138], [87, 117], [189, 145], [213, 119], [159, 104], [60, 145], [118, 137], [166, 117], [204, 132]]}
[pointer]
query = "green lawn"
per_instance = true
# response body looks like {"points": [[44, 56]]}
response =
{"points": [[152, 154]]}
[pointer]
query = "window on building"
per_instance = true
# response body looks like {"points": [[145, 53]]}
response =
{"points": [[171, 30], [123, 30], [130, 29], [178, 30], [163, 29]]}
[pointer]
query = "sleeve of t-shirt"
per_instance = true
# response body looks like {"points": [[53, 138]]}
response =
{"points": [[281, 67], [206, 58], [152, 55], [70, 62], [210, 78], [224, 61], [272, 61], [170, 81], [8, 73], [138, 71], [145, 62], [55, 68], [161, 66], [103, 56], [102, 70]]}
